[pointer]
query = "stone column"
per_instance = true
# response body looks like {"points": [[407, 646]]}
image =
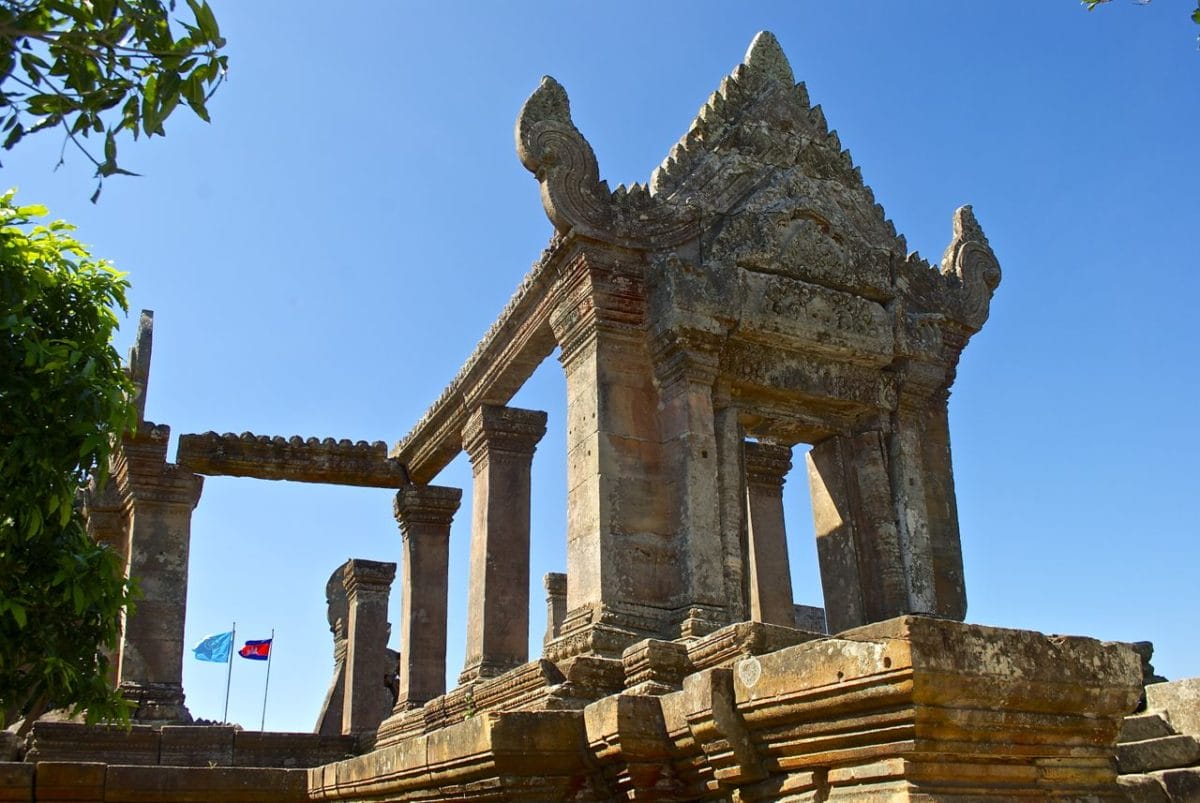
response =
{"points": [[863, 570], [424, 513], [159, 498], [686, 371], [622, 557], [366, 700], [108, 524], [500, 442], [767, 466], [556, 604]]}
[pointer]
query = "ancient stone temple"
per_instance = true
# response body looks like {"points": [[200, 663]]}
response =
{"points": [[752, 297]]}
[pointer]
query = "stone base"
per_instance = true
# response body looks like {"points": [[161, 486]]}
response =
{"points": [[909, 709], [157, 702]]}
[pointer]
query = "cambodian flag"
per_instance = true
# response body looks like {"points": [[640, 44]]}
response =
{"points": [[216, 648], [256, 650]]}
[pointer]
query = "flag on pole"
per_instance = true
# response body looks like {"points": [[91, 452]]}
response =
{"points": [[256, 650], [215, 648]]}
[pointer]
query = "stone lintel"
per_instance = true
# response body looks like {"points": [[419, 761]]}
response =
{"points": [[336, 462]]}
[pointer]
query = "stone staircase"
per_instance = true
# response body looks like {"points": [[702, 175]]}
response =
{"points": [[1156, 763]]}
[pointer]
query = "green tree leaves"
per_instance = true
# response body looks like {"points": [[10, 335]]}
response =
{"points": [[64, 401], [104, 67]]}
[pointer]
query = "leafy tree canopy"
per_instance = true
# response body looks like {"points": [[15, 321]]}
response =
{"points": [[1092, 4], [101, 67], [64, 400]]}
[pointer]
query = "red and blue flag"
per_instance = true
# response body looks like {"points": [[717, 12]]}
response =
{"points": [[256, 650]]}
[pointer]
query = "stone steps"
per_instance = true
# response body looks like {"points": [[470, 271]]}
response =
{"points": [[1139, 727], [1162, 786], [1162, 753], [1156, 762]]}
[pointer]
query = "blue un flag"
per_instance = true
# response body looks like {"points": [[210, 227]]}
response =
{"points": [[217, 647]]}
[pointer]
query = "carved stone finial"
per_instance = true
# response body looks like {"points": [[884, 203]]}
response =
{"points": [[970, 259], [766, 57], [575, 199], [139, 361]]}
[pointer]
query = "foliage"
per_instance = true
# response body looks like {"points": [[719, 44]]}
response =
{"points": [[102, 67], [64, 399], [1091, 6]]}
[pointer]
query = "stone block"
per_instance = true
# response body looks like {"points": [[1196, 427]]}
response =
{"points": [[1167, 752], [196, 746], [1142, 789], [654, 667], [1181, 784], [16, 782], [73, 741], [1139, 727], [289, 750], [1181, 700], [74, 781], [204, 785], [810, 618]]}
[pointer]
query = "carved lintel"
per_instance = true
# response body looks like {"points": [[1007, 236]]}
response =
{"points": [[275, 458]]}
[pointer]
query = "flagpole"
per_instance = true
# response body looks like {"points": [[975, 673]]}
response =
{"points": [[229, 672], [266, 684]]}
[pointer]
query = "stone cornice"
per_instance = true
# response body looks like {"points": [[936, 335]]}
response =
{"points": [[421, 506], [767, 465], [493, 430], [367, 576]]}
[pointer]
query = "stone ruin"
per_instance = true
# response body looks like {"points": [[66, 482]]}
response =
{"points": [[751, 297]]}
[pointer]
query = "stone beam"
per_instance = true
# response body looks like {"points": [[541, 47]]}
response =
{"points": [[276, 458], [513, 348]]}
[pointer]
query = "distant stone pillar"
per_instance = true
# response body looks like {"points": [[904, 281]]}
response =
{"points": [[366, 700], [159, 498], [863, 570], [108, 524], [556, 604], [767, 466], [500, 442], [424, 513]]}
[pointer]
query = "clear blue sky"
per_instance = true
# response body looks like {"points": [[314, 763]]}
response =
{"points": [[324, 255]]}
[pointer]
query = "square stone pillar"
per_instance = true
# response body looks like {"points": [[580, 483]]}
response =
{"points": [[108, 523], [622, 557], [767, 466], [864, 572], [556, 604], [159, 498], [686, 372], [366, 701], [424, 513], [500, 442]]}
